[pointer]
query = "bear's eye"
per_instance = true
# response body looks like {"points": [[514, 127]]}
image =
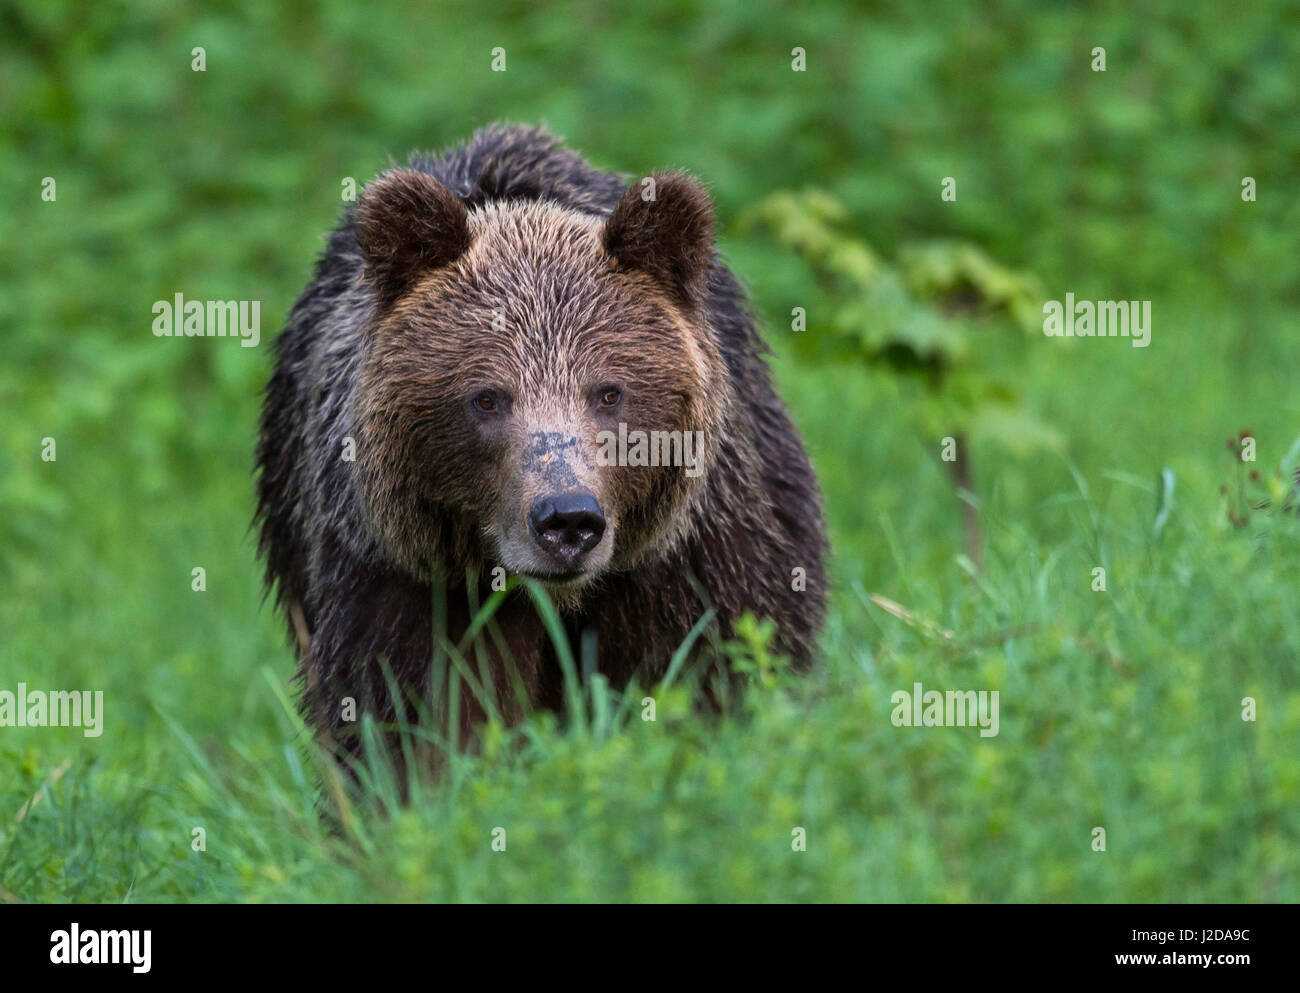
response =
{"points": [[609, 397], [486, 401]]}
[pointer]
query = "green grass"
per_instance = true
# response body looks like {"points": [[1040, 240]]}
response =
{"points": [[1119, 709]]}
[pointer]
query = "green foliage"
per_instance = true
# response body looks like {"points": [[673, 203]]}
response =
{"points": [[941, 315]]}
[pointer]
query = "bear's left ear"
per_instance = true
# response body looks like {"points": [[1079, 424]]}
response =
{"points": [[663, 226]]}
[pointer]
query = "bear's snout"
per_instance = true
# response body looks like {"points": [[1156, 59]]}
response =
{"points": [[567, 526]]}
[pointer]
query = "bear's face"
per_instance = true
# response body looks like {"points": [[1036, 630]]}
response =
{"points": [[542, 390]]}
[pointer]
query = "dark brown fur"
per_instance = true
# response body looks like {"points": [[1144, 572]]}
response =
{"points": [[510, 267]]}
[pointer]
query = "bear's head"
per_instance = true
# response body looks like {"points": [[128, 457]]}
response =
{"points": [[542, 390]]}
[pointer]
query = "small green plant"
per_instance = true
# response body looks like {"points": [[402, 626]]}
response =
{"points": [[750, 653], [1252, 493], [943, 316]]}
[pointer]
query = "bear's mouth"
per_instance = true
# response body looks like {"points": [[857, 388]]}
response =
{"points": [[567, 576]]}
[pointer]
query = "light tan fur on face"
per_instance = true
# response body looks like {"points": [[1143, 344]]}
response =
{"points": [[537, 309]]}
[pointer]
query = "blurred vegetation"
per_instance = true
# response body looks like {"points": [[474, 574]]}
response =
{"points": [[1120, 708], [927, 318]]}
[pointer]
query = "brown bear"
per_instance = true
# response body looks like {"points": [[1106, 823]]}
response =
{"points": [[510, 363]]}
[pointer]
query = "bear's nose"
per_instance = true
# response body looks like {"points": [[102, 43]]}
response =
{"points": [[568, 525]]}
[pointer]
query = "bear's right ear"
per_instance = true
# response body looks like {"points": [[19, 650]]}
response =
{"points": [[408, 224], [663, 226]]}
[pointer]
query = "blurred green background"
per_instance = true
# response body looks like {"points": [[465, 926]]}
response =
{"points": [[1119, 709]]}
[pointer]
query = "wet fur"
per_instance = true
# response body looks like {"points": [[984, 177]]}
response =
{"points": [[355, 550]]}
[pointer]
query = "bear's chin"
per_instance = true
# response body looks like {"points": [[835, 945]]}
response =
{"points": [[566, 590]]}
